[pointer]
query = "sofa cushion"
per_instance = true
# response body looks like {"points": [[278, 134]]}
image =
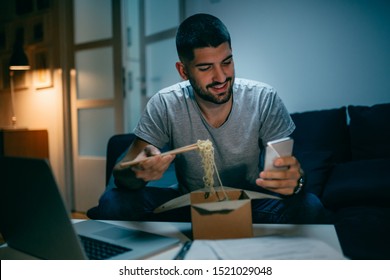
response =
{"points": [[317, 166], [370, 131], [116, 145], [324, 130], [364, 183], [364, 232]]}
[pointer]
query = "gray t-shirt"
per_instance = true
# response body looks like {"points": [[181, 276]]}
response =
{"points": [[172, 117]]}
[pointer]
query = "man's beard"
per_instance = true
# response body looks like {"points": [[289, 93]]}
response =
{"points": [[205, 95]]}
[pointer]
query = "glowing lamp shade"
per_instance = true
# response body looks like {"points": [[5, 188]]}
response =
{"points": [[19, 60]]}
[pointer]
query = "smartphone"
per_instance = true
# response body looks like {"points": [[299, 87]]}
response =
{"points": [[278, 148]]}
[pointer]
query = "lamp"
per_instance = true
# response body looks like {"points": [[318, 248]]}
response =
{"points": [[18, 61]]}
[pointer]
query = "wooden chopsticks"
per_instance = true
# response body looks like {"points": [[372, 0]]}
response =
{"points": [[171, 152]]}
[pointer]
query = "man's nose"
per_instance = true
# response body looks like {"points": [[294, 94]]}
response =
{"points": [[219, 75]]}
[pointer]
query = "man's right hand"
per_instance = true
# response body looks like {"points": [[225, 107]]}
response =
{"points": [[154, 167], [136, 177]]}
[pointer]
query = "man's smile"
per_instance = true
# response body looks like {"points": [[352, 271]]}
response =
{"points": [[220, 87]]}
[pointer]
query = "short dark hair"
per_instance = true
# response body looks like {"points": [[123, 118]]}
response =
{"points": [[200, 31]]}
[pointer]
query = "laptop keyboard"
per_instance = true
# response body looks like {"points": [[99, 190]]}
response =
{"points": [[100, 250]]}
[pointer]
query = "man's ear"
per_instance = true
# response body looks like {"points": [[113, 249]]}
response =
{"points": [[182, 71]]}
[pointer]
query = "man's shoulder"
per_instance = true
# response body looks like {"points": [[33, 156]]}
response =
{"points": [[245, 88], [174, 94], [175, 88], [251, 84]]}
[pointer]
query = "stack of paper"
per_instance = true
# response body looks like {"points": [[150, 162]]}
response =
{"points": [[263, 248]]}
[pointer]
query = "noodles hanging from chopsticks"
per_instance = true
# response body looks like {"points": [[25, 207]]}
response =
{"points": [[206, 151]]}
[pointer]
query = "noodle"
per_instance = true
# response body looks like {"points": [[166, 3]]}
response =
{"points": [[206, 150]]}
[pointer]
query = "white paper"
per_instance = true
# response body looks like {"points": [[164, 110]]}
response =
{"points": [[263, 248]]}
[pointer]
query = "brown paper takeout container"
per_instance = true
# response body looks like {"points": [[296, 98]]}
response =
{"points": [[215, 217]]}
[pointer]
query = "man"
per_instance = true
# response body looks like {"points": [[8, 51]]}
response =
{"points": [[239, 117]]}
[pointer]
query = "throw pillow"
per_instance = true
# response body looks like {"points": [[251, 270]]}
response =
{"points": [[324, 130], [364, 183], [317, 166], [370, 131]]}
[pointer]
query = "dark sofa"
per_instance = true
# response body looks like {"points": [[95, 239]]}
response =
{"points": [[345, 153]]}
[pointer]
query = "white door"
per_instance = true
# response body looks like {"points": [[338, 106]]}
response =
{"points": [[149, 50], [96, 94]]}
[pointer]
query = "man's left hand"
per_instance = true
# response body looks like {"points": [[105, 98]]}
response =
{"points": [[282, 181]]}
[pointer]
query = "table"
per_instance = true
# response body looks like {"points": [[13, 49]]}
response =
{"points": [[24, 143], [182, 231]]}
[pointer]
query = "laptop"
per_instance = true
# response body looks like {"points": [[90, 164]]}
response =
{"points": [[35, 222]]}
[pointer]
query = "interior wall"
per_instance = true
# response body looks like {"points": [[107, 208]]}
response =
{"points": [[317, 54], [38, 107]]}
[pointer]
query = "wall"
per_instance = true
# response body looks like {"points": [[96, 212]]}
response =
{"points": [[37, 108], [40, 109], [317, 54]]}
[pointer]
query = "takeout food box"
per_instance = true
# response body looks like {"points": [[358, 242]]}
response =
{"points": [[213, 216], [215, 219]]}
